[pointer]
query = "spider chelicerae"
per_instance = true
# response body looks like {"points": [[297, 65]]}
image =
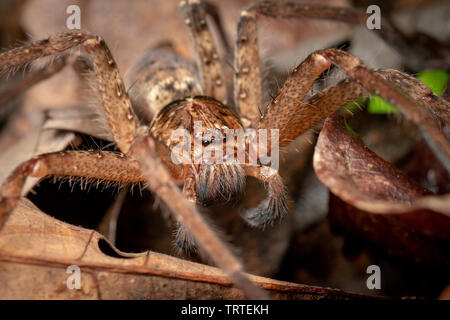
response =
{"points": [[178, 94]]}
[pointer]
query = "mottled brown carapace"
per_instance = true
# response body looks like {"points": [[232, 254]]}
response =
{"points": [[217, 182], [168, 93]]}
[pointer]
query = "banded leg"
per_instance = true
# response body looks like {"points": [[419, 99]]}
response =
{"points": [[247, 78], [208, 61], [275, 205]]}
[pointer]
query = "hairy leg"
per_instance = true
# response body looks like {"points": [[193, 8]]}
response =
{"points": [[210, 66], [287, 102], [318, 107], [184, 238], [112, 166], [99, 165], [110, 85], [247, 79]]}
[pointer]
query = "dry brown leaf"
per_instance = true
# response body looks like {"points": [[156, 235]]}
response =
{"points": [[363, 179], [381, 203], [35, 251]]}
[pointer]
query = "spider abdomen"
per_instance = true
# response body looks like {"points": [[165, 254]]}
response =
{"points": [[158, 78]]}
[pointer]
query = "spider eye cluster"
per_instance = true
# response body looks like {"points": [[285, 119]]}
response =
{"points": [[211, 136]]}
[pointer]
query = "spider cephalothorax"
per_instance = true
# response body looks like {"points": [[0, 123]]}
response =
{"points": [[203, 119], [188, 101]]}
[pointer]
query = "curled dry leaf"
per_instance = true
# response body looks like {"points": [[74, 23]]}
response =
{"points": [[382, 204], [35, 251]]}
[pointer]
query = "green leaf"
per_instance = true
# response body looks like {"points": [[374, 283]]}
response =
{"points": [[377, 105], [436, 80]]}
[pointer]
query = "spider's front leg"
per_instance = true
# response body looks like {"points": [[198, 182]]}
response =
{"points": [[123, 127], [293, 116], [295, 89], [289, 113], [112, 90], [281, 112], [247, 77]]}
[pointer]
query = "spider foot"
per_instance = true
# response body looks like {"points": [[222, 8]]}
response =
{"points": [[184, 240], [273, 207], [266, 213]]}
